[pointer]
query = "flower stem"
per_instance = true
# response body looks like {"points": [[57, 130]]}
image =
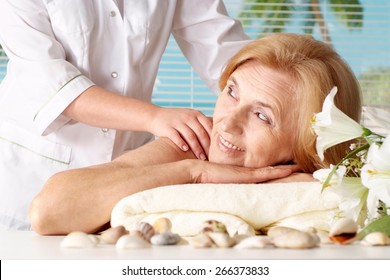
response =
{"points": [[334, 169]]}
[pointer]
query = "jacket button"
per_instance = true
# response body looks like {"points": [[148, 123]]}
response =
{"points": [[105, 130], [114, 74], [112, 14]]}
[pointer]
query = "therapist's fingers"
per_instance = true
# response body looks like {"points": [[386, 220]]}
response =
{"points": [[185, 134], [206, 122], [189, 129], [196, 138], [188, 142]]}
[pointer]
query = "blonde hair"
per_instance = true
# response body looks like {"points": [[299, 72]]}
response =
{"points": [[314, 67]]}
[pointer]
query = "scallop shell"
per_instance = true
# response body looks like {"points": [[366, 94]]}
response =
{"points": [[78, 239], [144, 230], [131, 242]]}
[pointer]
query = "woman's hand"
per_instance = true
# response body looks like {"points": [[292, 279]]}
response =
{"points": [[207, 172], [187, 128], [296, 177]]}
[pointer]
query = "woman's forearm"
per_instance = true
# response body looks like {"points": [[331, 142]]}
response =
{"points": [[83, 199]]}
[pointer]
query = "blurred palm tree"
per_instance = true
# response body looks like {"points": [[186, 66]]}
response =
{"points": [[277, 14], [375, 85]]}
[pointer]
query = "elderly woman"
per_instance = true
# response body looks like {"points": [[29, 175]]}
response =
{"points": [[261, 132]]}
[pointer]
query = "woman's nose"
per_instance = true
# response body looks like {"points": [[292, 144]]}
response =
{"points": [[234, 122]]}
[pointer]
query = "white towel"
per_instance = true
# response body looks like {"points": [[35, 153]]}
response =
{"points": [[243, 208]]}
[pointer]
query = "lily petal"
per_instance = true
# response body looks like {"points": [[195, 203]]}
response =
{"points": [[375, 174], [332, 126]]}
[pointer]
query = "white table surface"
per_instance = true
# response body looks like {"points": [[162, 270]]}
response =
{"points": [[18, 245]]}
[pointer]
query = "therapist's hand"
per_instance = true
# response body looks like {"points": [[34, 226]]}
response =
{"points": [[187, 128]]}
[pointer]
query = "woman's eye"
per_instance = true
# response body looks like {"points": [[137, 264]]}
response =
{"points": [[231, 92], [263, 117]]}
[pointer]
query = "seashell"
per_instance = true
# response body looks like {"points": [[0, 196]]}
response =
{"points": [[255, 242], [78, 239], [295, 239], [221, 239], [111, 235], [131, 242], [144, 230], [324, 237], [310, 230], [239, 237], [94, 238], [162, 225], [314, 233], [213, 226], [279, 230], [201, 240], [376, 239], [167, 238], [343, 231]]}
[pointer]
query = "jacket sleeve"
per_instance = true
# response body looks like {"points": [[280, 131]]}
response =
{"points": [[40, 83], [208, 37]]}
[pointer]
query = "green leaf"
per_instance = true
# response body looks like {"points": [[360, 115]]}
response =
{"points": [[382, 224]]}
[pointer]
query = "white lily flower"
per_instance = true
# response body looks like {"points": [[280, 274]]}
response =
{"points": [[350, 190], [375, 174], [354, 196], [332, 126], [322, 174]]}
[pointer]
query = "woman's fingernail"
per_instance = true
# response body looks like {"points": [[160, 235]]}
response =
{"points": [[202, 157], [184, 148]]}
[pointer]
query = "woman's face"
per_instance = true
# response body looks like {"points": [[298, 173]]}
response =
{"points": [[253, 122]]}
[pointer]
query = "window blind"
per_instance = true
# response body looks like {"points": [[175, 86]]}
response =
{"points": [[3, 64], [358, 29]]}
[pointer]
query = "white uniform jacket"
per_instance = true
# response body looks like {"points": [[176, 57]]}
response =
{"points": [[59, 48]]}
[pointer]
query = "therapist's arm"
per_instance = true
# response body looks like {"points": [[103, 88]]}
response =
{"points": [[187, 128], [83, 199]]}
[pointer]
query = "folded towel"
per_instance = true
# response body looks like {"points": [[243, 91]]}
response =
{"points": [[243, 208]]}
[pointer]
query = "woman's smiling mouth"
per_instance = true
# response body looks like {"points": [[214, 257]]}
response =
{"points": [[226, 145]]}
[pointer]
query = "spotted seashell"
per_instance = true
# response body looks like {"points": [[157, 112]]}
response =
{"points": [[343, 231], [167, 238], [162, 225], [131, 242], [78, 239], [111, 235], [296, 239], [255, 242], [376, 239], [201, 240], [145, 230], [213, 226]]}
